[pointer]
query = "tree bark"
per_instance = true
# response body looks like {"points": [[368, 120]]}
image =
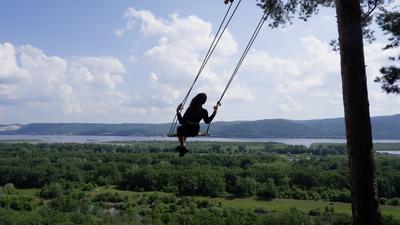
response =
{"points": [[364, 192]]}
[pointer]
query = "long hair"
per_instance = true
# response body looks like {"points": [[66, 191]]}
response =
{"points": [[198, 101]]}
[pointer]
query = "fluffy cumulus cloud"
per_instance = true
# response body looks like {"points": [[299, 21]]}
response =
{"points": [[9, 70], [177, 55], [299, 81], [33, 83], [30, 77], [305, 83], [95, 89], [308, 83]]}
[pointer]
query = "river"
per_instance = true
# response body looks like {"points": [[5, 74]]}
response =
{"points": [[101, 139]]}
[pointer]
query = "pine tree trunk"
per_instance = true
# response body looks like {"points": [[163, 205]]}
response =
{"points": [[364, 192]]}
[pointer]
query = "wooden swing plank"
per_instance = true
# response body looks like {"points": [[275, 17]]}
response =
{"points": [[201, 134]]}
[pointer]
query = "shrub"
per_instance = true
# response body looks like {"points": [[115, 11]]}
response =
{"points": [[314, 212], [9, 189], [268, 190], [16, 203], [50, 191], [245, 187], [108, 197], [394, 201]]}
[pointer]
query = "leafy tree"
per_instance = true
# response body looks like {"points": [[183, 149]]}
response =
{"points": [[52, 190], [268, 190], [143, 179], [305, 178], [389, 21], [212, 184], [386, 188], [395, 180], [65, 203], [352, 17], [245, 187]]}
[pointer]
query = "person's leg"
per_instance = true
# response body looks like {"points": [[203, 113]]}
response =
{"points": [[182, 140], [180, 135], [183, 150]]}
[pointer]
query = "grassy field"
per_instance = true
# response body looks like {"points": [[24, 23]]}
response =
{"points": [[276, 204], [243, 203], [304, 205]]}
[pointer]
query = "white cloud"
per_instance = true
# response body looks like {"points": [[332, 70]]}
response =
{"points": [[81, 86], [128, 26], [300, 82], [182, 43], [178, 53], [310, 69], [97, 71], [239, 93], [271, 66], [9, 70], [375, 58], [309, 83], [163, 94], [44, 81]]}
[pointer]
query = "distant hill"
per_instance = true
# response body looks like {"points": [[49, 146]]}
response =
{"points": [[384, 127], [90, 129]]}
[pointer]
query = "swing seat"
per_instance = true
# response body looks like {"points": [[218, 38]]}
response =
{"points": [[201, 134]]}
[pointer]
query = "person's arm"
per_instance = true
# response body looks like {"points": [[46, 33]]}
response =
{"points": [[208, 119], [178, 113]]}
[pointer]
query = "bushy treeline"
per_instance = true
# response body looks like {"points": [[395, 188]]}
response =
{"points": [[214, 174], [78, 208], [254, 171], [67, 175]]}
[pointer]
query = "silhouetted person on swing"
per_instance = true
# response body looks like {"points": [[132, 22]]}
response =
{"points": [[190, 122]]}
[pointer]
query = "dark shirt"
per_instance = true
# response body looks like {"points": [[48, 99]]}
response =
{"points": [[193, 116]]}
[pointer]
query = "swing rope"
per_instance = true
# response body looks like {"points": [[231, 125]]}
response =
{"points": [[210, 51], [244, 54]]}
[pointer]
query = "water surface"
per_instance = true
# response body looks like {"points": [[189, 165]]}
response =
{"points": [[100, 139]]}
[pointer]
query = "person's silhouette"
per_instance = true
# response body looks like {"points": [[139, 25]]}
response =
{"points": [[190, 121]]}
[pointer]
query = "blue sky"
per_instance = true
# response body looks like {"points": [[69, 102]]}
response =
{"points": [[133, 61]]}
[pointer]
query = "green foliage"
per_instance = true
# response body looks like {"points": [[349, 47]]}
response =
{"points": [[109, 197], [245, 187], [394, 201], [70, 176], [293, 217], [71, 202], [16, 203], [389, 220], [268, 190], [314, 174], [9, 189], [389, 21], [52, 190]]}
